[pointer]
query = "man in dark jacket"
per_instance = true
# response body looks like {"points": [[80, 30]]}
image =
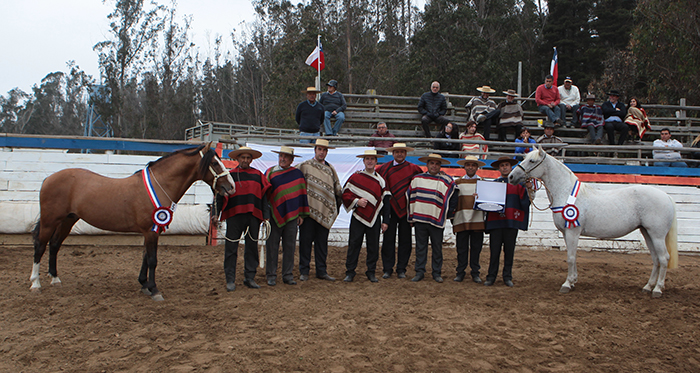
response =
{"points": [[309, 115], [334, 105], [432, 107], [614, 113]]}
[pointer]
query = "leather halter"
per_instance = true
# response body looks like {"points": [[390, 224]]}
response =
{"points": [[537, 165], [216, 176]]}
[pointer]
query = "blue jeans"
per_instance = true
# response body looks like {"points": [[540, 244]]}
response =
{"points": [[670, 164], [308, 141], [553, 114], [339, 119], [574, 118]]}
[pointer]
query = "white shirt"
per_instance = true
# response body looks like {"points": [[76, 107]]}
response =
{"points": [[571, 97], [667, 154]]}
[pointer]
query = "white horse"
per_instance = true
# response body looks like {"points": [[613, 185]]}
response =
{"points": [[605, 214]]}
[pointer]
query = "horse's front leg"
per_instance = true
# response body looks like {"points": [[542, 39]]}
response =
{"points": [[571, 238], [149, 264]]}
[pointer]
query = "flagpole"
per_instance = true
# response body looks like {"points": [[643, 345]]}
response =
{"points": [[318, 65]]}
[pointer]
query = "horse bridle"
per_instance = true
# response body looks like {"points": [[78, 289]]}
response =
{"points": [[537, 165], [532, 201], [216, 176]]}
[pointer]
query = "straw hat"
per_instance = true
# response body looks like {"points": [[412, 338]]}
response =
{"points": [[400, 146], [497, 163], [486, 89], [311, 90], [433, 157], [324, 143], [511, 92], [369, 153], [242, 150], [471, 159], [286, 150]]}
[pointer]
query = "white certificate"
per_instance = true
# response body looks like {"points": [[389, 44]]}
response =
{"points": [[491, 196]]}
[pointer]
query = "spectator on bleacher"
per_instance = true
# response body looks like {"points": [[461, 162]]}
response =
{"points": [[614, 112], [548, 100], [591, 116], [524, 138], [382, 132], [450, 131], [570, 98], [673, 157], [334, 105], [549, 138], [636, 118], [471, 134], [511, 115], [309, 115], [695, 155], [433, 107], [483, 110]]}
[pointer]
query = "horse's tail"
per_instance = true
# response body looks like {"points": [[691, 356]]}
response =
{"points": [[672, 240]]}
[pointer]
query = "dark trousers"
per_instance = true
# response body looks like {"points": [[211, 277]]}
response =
{"points": [[313, 233], [493, 120], [423, 232], [288, 234], [469, 245], [235, 226], [426, 120], [622, 128], [358, 231], [503, 237], [389, 252], [503, 130]]}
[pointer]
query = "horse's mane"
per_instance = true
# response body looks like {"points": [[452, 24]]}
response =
{"points": [[203, 164]]}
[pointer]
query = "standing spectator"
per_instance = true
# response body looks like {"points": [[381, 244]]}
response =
{"points": [[289, 205], [524, 138], [613, 112], [334, 107], [398, 175], [468, 224], [471, 134], [325, 197], [673, 157], [637, 118], [483, 110], [549, 138], [503, 227], [591, 117], [430, 202], [382, 132], [451, 132], [243, 211], [309, 115], [432, 107], [570, 99], [511, 115], [547, 99], [367, 196]]}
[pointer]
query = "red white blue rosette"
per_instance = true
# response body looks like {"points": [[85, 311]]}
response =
{"points": [[570, 212], [162, 217]]}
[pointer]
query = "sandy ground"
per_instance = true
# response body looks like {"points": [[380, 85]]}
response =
{"points": [[98, 321]]}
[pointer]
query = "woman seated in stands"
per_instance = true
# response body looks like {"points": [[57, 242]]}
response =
{"points": [[450, 131], [637, 119], [524, 138], [471, 134]]}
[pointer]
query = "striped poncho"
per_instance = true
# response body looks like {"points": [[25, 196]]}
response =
{"points": [[430, 199], [323, 191], [398, 177], [466, 218], [251, 186], [287, 194], [370, 186]]}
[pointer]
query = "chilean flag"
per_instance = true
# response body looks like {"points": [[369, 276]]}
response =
{"points": [[553, 67], [316, 59]]}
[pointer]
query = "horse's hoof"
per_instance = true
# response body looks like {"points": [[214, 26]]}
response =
{"points": [[645, 290], [564, 289], [656, 294], [157, 297], [35, 290], [146, 291], [57, 284]]}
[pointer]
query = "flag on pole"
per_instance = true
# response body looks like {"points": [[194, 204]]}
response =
{"points": [[554, 66], [316, 59]]}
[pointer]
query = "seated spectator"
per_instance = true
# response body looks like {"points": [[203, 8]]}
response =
{"points": [[511, 115], [549, 138], [591, 116], [524, 138], [548, 100], [695, 155], [471, 134], [382, 132], [334, 105], [637, 118], [483, 110], [432, 107], [449, 132], [570, 100], [614, 111], [673, 156]]}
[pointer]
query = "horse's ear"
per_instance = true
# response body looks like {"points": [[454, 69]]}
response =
{"points": [[539, 148], [206, 148]]}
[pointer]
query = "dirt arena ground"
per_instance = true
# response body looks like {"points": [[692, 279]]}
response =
{"points": [[98, 321]]}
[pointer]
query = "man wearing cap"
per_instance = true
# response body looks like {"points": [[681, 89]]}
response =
{"points": [[614, 113], [570, 99], [503, 227], [310, 115], [334, 106], [548, 100], [382, 132], [549, 138], [433, 107], [398, 174], [591, 117], [483, 110], [243, 211], [324, 196], [289, 205], [367, 196], [431, 200], [468, 224], [511, 115]]}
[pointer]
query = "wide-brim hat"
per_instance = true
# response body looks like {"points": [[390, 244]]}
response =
{"points": [[486, 89], [471, 159], [400, 146], [311, 90], [332, 83], [369, 153], [511, 92], [244, 149], [614, 92], [590, 96], [433, 157], [286, 150], [495, 164], [324, 143]]}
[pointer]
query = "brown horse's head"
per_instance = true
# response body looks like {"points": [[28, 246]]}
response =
{"points": [[213, 171]]}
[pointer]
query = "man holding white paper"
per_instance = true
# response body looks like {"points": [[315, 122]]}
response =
{"points": [[468, 223]]}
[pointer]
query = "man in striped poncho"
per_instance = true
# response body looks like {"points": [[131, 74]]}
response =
{"points": [[468, 224]]}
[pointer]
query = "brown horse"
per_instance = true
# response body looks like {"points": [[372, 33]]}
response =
{"points": [[121, 205]]}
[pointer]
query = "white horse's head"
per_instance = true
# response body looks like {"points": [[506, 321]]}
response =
{"points": [[528, 167]]}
